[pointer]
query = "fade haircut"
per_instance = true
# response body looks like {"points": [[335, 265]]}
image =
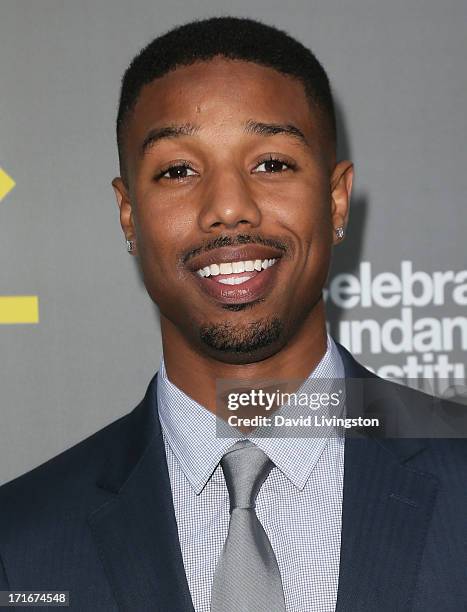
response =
{"points": [[233, 38]]}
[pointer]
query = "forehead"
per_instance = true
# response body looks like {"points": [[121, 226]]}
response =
{"points": [[221, 91]]}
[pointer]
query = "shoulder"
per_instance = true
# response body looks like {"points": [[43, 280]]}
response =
{"points": [[66, 488], [409, 418], [84, 464], [45, 513], [66, 476]]}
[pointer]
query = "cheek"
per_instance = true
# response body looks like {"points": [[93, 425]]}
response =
{"points": [[162, 223], [304, 209], [161, 227]]}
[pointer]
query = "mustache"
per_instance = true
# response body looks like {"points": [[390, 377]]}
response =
{"points": [[282, 244]]}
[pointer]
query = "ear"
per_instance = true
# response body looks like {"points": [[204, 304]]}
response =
{"points": [[126, 211], [341, 187]]}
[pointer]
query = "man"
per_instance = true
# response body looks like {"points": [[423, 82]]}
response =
{"points": [[231, 198]]}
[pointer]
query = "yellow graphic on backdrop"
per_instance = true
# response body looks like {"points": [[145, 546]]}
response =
{"points": [[6, 184], [19, 309], [16, 308]]}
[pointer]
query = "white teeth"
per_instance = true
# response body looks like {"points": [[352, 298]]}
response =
{"points": [[234, 281], [236, 267], [226, 268]]}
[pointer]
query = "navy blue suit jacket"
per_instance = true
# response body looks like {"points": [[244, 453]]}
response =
{"points": [[98, 520]]}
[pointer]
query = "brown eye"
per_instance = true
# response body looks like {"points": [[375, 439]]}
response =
{"points": [[176, 172], [274, 165]]}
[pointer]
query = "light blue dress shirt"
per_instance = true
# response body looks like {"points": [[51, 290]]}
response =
{"points": [[299, 505]]}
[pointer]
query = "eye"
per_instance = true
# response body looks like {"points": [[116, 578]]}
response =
{"points": [[274, 165], [176, 172]]}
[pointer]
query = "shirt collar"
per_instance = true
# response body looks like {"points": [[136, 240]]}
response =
{"points": [[190, 430]]}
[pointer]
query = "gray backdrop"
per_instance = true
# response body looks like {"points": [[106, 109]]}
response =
{"points": [[399, 73]]}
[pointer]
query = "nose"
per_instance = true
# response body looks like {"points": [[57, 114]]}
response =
{"points": [[228, 201]]}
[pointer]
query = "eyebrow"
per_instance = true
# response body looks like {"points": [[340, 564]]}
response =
{"points": [[169, 131], [271, 129], [250, 127]]}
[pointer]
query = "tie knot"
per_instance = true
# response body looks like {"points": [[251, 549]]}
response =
{"points": [[245, 468]]}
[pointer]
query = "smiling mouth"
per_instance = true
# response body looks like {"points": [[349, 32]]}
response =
{"points": [[240, 274], [235, 272], [238, 283]]}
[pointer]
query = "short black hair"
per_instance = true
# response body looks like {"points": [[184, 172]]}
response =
{"points": [[234, 38]]}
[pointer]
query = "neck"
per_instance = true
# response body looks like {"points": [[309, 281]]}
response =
{"points": [[196, 373]]}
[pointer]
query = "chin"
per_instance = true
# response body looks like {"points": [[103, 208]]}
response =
{"points": [[231, 341], [242, 358]]}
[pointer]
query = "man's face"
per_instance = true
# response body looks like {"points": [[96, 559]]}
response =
{"points": [[228, 189]]}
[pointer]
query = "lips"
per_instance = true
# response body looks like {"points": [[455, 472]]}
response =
{"points": [[232, 254], [256, 287]]}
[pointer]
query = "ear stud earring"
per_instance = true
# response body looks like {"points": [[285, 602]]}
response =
{"points": [[339, 232], [130, 246]]}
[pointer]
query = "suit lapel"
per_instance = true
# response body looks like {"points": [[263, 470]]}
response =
{"points": [[135, 529], [387, 506]]}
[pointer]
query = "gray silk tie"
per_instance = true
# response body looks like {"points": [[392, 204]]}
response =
{"points": [[247, 577]]}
